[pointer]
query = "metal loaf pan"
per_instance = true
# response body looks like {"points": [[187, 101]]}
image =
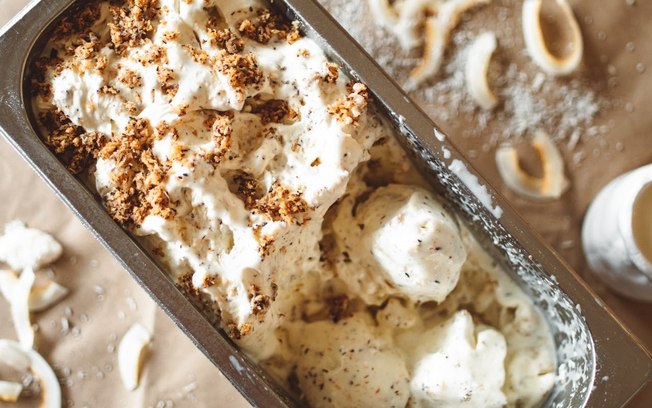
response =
{"points": [[600, 364]]}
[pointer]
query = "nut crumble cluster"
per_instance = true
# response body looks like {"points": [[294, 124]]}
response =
{"points": [[266, 27], [132, 23], [75, 147], [348, 110], [141, 185], [146, 105], [138, 176]]}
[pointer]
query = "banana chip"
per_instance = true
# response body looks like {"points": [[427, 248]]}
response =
{"points": [[43, 296], [16, 290], [536, 44], [553, 183], [129, 355], [477, 65]]}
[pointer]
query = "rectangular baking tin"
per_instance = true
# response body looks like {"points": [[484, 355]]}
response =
{"points": [[601, 364]]}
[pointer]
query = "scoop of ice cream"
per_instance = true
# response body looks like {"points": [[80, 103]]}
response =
{"points": [[22, 247], [461, 366], [350, 364], [414, 240]]}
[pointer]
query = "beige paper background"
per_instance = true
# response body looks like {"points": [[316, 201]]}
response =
{"points": [[105, 301]]}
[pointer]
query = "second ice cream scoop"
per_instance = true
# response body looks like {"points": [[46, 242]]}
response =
{"points": [[412, 240]]}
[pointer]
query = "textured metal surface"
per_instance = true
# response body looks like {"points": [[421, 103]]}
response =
{"points": [[605, 365]]}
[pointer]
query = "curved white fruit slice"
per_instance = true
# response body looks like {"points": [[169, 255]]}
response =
{"points": [[129, 355], [475, 73], [46, 295], [553, 183], [438, 29], [536, 44], [16, 290]]}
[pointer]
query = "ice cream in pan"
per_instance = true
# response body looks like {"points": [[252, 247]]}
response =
{"points": [[265, 181]]}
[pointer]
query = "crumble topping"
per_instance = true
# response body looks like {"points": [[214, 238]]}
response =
{"points": [[74, 147], [155, 55], [279, 203], [131, 108], [266, 27], [259, 301], [131, 79], [184, 282], [238, 332], [79, 22], [162, 128], [247, 190], [348, 110], [241, 70], [132, 23], [86, 47], [178, 153], [108, 90], [138, 176], [85, 57], [181, 110], [270, 111], [167, 78], [226, 40], [209, 281], [38, 79], [169, 36], [282, 204], [221, 130], [198, 55], [266, 242], [331, 74]]}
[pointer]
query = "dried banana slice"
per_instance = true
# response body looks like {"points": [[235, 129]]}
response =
{"points": [[438, 29], [536, 44], [129, 355], [16, 290], [402, 18], [475, 73], [553, 183], [45, 295]]}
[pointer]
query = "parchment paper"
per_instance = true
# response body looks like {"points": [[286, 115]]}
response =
{"points": [[104, 301]]}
